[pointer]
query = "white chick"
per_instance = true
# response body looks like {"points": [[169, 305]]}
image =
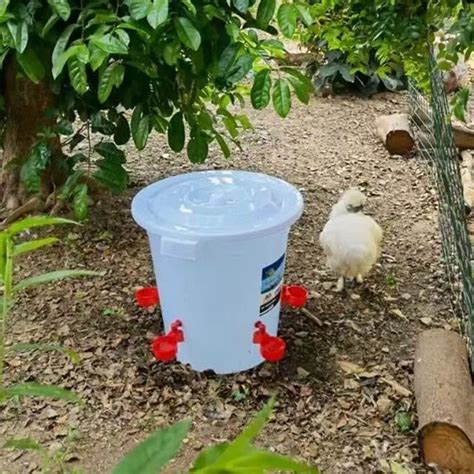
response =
{"points": [[350, 239]]}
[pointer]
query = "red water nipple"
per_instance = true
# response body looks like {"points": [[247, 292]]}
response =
{"points": [[294, 296], [147, 297], [272, 348], [165, 347]]}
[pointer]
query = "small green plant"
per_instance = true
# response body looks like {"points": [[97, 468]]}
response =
{"points": [[10, 249], [51, 461], [238, 456], [391, 281], [113, 312], [403, 421], [240, 394]]}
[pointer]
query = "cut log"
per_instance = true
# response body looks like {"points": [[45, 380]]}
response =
{"points": [[444, 396], [466, 179], [463, 137], [394, 131]]}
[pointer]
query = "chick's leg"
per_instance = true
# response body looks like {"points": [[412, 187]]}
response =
{"points": [[359, 278], [350, 282], [340, 284]]}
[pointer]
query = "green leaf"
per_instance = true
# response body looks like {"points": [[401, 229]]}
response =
{"points": [[403, 421], [81, 202], [241, 5], [50, 277], [158, 13], [112, 174], [112, 76], [97, 56], [223, 145], [61, 8], [109, 150], [300, 89], [244, 122], [36, 221], [239, 69], [227, 58], [171, 53], [33, 166], [187, 33], [150, 456], [460, 102], [160, 124], [22, 444], [112, 44], [33, 389], [58, 58], [3, 6], [33, 245], [122, 131], [260, 92], [78, 75], [300, 76], [140, 126], [304, 14], [49, 25], [231, 125], [33, 347], [80, 51], [19, 34], [139, 8], [242, 443], [197, 148], [31, 65], [265, 12], [286, 17], [190, 6], [176, 134], [281, 97], [209, 456], [266, 461], [345, 72]]}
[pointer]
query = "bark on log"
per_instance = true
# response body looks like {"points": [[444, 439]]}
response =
{"points": [[466, 179], [395, 133], [444, 396]]}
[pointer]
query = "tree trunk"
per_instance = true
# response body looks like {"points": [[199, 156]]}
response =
{"points": [[25, 104]]}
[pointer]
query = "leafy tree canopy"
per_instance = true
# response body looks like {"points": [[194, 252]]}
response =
{"points": [[176, 65]]}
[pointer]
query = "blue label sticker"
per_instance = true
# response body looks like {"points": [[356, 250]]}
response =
{"points": [[272, 280]]}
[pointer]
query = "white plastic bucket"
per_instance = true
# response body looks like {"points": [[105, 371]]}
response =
{"points": [[218, 242]]}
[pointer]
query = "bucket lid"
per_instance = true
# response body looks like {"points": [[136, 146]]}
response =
{"points": [[217, 204]]}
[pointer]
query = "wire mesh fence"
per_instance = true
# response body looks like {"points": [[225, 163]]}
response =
{"points": [[434, 135]]}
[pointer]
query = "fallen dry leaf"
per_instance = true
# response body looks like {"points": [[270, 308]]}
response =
{"points": [[349, 367], [398, 314]]}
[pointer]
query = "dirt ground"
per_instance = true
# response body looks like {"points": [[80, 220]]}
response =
{"points": [[344, 389]]}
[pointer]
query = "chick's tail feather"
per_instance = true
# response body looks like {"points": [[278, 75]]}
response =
{"points": [[353, 260]]}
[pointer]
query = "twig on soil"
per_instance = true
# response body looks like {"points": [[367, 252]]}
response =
{"points": [[400, 389], [312, 316]]}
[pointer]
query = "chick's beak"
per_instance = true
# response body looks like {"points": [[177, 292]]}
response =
{"points": [[351, 208]]}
